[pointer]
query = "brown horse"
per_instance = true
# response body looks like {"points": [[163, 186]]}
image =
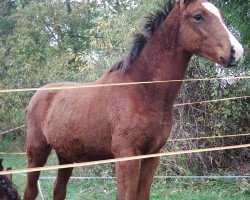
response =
{"points": [[7, 189], [102, 123]]}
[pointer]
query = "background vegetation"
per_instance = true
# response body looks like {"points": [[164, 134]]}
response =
{"points": [[44, 41]]}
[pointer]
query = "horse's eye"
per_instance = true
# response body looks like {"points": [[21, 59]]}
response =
{"points": [[198, 17]]}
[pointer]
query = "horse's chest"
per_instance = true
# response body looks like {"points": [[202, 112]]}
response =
{"points": [[149, 132]]}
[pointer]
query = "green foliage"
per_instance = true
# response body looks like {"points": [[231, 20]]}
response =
{"points": [[237, 16]]}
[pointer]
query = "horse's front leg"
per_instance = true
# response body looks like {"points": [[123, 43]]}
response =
{"points": [[148, 168], [127, 176]]}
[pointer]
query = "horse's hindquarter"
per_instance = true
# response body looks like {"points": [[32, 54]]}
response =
{"points": [[76, 124]]}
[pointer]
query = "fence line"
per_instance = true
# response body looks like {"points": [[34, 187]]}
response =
{"points": [[209, 137], [155, 177], [84, 164], [175, 105], [212, 100], [13, 153], [19, 127], [116, 84], [170, 140]]}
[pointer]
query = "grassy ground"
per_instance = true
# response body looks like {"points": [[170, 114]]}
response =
{"points": [[190, 189]]}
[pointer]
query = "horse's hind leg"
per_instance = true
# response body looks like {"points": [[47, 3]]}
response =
{"points": [[63, 176], [38, 151]]}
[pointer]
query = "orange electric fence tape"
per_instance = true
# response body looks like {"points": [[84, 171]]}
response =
{"points": [[116, 84], [171, 140], [4, 132], [179, 104], [137, 157], [123, 159], [208, 101], [208, 137], [13, 153]]}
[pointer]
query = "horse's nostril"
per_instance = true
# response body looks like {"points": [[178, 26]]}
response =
{"points": [[232, 57], [232, 51], [223, 60]]}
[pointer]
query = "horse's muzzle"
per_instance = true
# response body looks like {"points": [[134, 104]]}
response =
{"points": [[231, 62]]}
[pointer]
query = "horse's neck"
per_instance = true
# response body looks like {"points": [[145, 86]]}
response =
{"points": [[163, 58]]}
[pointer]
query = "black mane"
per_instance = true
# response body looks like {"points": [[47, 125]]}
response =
{"points": [[153, 20]]}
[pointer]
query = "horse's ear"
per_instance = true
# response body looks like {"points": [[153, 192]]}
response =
{"points": [[184, 4]]}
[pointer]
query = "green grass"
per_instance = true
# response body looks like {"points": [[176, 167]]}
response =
{"points": [[190, 189]]}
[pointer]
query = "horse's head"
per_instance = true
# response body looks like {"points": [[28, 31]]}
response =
{"points": [[204, 33]]}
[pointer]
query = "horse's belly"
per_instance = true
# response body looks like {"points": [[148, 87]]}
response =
{"points": [[81, 143], [78, 150], [83, 154]]}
